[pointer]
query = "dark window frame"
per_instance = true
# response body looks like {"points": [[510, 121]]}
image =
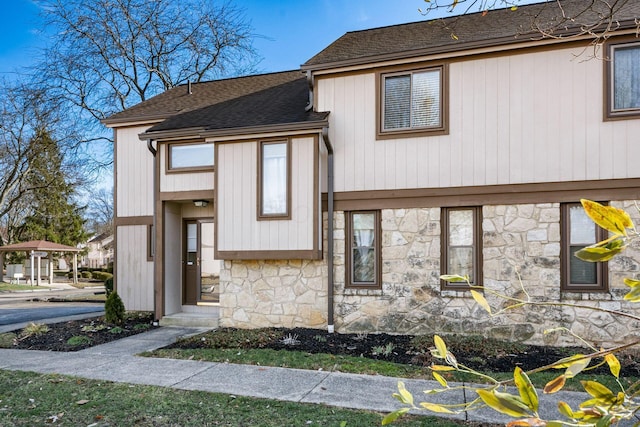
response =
{"points": [[261, 216], [441, 129], [477, 248], [609, 111], [602, 269], [377, 245], [171, 169]]}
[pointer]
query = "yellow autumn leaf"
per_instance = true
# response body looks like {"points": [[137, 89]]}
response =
{"points": [[565, 409], [527, 422], [504, 403], [441, 347], [436, 408], [611, 219], [440, 379], [527, 391], [597, 254], [576, 367], [514, 8], [614, 364], [555, 384], [633, 295], [442, 368], [453, 278], [406, 396], [631, 282], [481, 300], [394, 416], [597, 390]]}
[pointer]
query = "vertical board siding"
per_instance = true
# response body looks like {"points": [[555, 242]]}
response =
{"points": [[134, 172], [523, 118], [170, 182], [173, 258], [238, 227], [135, 273]]}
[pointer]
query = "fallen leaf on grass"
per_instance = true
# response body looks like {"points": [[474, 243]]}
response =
{"points": [[82, 402]]}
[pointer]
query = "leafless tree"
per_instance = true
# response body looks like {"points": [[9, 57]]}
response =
{"points": [[108, 55], [593, 19], [101, 211]]}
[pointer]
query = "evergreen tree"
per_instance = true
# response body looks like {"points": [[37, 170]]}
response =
{"points": [[54, 215]]}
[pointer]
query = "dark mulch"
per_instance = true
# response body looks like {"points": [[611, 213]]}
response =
{"points": [[96, 331], [475, 352]]}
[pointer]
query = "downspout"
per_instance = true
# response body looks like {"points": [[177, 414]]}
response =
{"points": [[327, 143]]}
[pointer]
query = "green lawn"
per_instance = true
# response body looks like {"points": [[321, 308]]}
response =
{"points": [[29, 399], [8, 287]]}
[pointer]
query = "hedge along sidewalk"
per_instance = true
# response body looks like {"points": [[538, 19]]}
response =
{"points": [[116, 362]]}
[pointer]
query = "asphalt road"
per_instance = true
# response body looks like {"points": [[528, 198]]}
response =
{"points": [[9, 316]]}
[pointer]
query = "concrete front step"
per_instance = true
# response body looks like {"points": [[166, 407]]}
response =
{"points": [[190, 320]]}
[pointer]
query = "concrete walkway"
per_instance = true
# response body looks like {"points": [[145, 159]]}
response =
{"points": [[116, 361]]}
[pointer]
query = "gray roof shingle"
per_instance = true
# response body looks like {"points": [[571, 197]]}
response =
{"points": [[178, 100], [455, 33]]}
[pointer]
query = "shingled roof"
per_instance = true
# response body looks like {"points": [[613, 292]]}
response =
{"points": [[281, 104], [496, 27], [179, 100]]}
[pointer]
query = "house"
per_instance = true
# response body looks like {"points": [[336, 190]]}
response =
{"points": [[99, 251], [334, 197]]}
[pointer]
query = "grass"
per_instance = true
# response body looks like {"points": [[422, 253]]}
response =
{"points": [[242, 346], [28, 399], [82, 285], [10, 287]]}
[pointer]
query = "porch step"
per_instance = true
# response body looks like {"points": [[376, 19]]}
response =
{"points": [[209, 320]]}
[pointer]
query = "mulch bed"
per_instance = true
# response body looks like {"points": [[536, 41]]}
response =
{"points": [[96, 331]]}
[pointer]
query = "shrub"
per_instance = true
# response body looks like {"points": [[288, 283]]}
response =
{"points": [[86, 275], [7, 340], [114, 309], [101, 275], [108, 285], [78, 340], [34, 330]]}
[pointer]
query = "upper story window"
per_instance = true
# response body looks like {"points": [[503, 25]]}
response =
{"points": [[274, 180], [363, 249], [578, 231], [412, 102], [623, 80], [461, 246], [190, 156]]}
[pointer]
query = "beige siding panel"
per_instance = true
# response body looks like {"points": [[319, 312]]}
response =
{"points": [[170, 182], [172, 258], [135, 273], [134, 172], [238, 227], [531, 117]]}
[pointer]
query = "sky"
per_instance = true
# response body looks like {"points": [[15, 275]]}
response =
{"points": [[290, 31]]}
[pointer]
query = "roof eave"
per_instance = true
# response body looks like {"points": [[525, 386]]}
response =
{"points": [[202, 133], [526, 38], [142, 119]]}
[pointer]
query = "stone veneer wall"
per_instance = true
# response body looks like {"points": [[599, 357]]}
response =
{"points": [[256, 294], [521, 244]]}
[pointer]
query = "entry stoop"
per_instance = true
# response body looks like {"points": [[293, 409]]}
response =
{"points": [[194, 316]]}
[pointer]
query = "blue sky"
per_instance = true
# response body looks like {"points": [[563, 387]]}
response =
{"points": [[292, 30]]}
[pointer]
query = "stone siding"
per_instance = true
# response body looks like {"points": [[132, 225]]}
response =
{"points": [[521, 251]]}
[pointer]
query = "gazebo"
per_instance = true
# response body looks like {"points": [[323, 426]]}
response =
{"points": [[39, 249]]}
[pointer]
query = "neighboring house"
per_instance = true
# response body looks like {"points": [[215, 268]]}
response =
{"points": [[336, 198], [99, 251]]}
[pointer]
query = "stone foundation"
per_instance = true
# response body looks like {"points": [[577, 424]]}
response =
{"points": [[521, 251]]}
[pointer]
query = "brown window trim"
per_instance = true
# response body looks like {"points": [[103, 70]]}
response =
{"points": [[477, 248], [608, 64], [377, 239], [280, 216], [169, 169], [150, 240], [602, 269], [443, 129]]}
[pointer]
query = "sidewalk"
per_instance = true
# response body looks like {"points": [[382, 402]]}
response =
{"points": [[117, 362]]}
